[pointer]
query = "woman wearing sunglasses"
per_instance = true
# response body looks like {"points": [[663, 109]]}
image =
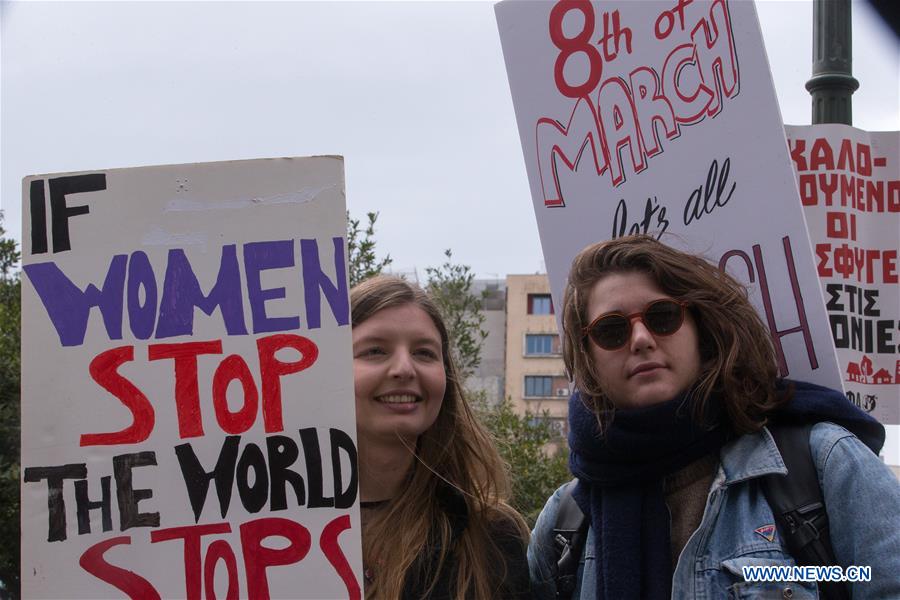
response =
{"points": [[676, 379], [433, 489]]}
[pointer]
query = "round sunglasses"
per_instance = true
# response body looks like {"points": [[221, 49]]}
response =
{"points": [[612, 330]]}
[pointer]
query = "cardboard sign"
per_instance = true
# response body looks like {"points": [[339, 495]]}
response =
{"points": [[849, 183], [661, 118], [188, 422]]}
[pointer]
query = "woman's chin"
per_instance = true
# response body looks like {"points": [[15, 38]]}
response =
{"points": [[650, 394]]}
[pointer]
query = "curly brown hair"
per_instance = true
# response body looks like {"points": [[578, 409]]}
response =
{"points": [[736, 352]]}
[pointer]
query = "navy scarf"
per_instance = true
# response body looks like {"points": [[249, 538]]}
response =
{"points": [[621, 472], [811, 403]]}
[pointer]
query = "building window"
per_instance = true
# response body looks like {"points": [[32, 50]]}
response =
{"points": [[537, 386], [557, 426], [540, 304], [541, 344]]}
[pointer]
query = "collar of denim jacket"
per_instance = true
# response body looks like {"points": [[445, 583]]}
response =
{"points": [[751, 456]]}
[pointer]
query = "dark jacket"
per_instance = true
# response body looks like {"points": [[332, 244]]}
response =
{"points": [[514, 585]]}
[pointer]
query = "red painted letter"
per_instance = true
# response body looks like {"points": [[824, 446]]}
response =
{"points": [[187, 394], [135, 586], [234, 367], [332, 550], [271, 370], [220, 549], [104, 370], [191, 535], [258, 557]]}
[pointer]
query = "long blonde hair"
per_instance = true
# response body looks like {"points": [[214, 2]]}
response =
{"points": [[456, 451]]}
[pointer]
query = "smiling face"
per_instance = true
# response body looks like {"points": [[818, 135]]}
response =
{"points": [[648, 369], [399, 375]]}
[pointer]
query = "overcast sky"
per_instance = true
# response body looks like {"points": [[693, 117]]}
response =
{"points": [[414, 95]]}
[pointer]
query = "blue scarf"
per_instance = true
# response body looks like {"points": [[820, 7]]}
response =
{"points": [[621, 472]]}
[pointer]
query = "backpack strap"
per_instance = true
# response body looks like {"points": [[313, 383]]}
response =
{"points": [[569, 536], [799, 508]]}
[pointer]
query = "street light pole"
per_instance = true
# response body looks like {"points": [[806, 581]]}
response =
{"points": [[832, 83]]}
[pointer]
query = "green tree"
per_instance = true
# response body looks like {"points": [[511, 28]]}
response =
{"points": [[450, 285], [524, 442], [10, 309], [361, 249]]}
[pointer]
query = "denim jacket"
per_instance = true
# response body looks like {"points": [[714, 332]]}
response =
{"points": [[862, 497]]}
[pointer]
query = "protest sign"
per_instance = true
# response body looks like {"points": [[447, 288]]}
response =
{"points": [[849, 183], [661, 118], [188, 426]]}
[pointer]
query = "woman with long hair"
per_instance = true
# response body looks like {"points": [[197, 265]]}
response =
{"points": [[433, 489], [676, 392]]}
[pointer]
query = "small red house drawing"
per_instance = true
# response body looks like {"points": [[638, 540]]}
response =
{"points": [[882, 376]]}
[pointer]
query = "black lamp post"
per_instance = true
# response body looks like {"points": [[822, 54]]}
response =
{"points": [[832, 83]]}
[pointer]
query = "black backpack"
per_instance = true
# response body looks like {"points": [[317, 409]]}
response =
{"points": [[796, 501]]}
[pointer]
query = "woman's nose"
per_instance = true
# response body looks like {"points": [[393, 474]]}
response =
{"points": [[402, 365], [641, 337]]}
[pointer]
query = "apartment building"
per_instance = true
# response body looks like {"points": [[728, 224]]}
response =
{"points": [[535, 375], [490, 374]]}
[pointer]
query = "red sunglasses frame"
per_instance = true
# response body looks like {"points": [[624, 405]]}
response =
{"points": [[586, 332]]}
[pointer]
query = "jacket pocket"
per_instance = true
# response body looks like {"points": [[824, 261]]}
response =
{"points": [[759, 578]]}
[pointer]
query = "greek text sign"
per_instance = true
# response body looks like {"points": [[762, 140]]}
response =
{"points": [[849, 183]]}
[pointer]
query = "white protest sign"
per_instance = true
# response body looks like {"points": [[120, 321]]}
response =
{"points": [[849, 183], [661, 118], [188, 423]]}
